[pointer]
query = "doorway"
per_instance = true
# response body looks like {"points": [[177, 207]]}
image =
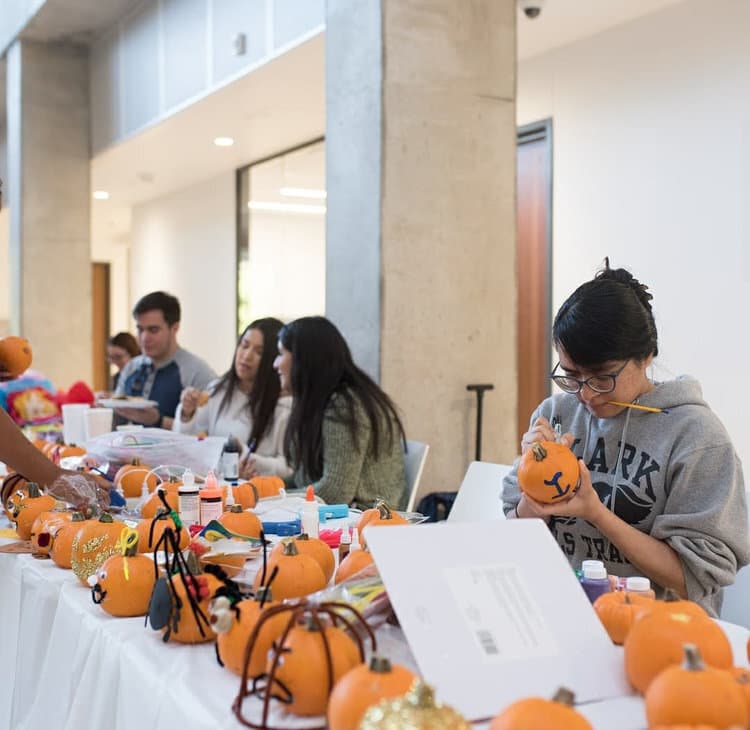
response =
{"points": [[534, 262], [100, 325]]}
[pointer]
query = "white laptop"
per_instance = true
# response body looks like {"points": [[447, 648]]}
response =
{"points": [[479, 497]]}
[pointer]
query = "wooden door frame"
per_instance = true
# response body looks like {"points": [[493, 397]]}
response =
{"points": [[532, 132]]}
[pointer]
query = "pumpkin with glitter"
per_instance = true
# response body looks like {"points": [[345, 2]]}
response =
{"points": [[94, 542]]}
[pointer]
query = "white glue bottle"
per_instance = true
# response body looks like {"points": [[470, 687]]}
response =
{"points": [[310, 516], [188, 499]]}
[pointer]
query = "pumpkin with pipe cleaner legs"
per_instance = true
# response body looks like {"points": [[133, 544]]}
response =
{"points": [[28, 507], [364, 686], [122, 584], [45, 525], [94, 542], [316, 549], [299, 575], [536, 712], [694, 692], [656, 639], [548, 472], [151, 531], [234, 624], [171, 493]]}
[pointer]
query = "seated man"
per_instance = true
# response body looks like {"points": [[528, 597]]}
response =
{"points": [[164, 368]]}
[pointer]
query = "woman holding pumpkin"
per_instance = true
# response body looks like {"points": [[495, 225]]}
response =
{"points": [[661, 488], [344, 435], [245, 403]]}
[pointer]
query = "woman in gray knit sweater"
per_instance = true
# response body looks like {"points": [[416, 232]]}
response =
{"points": [[344, 436]]}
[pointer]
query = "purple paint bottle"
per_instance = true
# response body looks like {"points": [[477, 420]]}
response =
{"points": [[595, 581]]}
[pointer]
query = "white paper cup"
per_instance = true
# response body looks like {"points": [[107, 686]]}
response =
{"points": [[74, 422], [98, 422]]}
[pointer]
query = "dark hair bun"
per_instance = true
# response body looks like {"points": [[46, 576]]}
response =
{"points": [[625, 277]]}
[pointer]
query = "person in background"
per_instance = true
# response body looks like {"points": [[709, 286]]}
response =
{"points": [[164, 369], [344, 435], [245, 403], [661, 491], [120, 349]]}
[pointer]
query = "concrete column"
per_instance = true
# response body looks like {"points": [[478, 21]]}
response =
{"points": [[48, 193], [421, 263]]}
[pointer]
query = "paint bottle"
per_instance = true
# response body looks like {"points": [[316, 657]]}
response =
{"points": [[588, 564], [595, 581], [230, 460], [356, 545], [188, 500], [639, 586], [211, 506], [345, 543], [310, 517]]}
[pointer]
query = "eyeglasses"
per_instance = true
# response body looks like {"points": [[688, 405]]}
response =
{"points": [[597, 383]]}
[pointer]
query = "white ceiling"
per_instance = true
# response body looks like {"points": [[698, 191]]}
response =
{"points": [[566, 21], [75, 21], [281, 105]]}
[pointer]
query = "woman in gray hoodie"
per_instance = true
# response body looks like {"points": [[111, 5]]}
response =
{"points": [[661, 491]]}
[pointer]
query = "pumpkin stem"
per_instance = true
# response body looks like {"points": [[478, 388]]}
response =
{"points": [[105, 517], [34, 490], [539, 452], [303, 536], [671, 595], [380, 664], [384, 510], [236, 509], [564, 696], [77, 517], [693, 661], [421, 695], [290, 548]]}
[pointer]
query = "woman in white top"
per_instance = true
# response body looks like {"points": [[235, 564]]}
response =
{"points": [[245, 403]]}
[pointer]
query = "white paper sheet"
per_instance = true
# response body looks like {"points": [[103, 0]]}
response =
{"points": [[493, 612]]}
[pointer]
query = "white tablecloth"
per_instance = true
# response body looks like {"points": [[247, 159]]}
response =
{"points": [[65, 664]]}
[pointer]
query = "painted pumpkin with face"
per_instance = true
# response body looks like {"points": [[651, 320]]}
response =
{"points": [[123, 583]]}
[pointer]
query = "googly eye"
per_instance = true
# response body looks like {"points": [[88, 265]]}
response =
{"points": [[102, 574]]}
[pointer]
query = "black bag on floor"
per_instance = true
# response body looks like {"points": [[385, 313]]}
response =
{"points": [[436, 506]]}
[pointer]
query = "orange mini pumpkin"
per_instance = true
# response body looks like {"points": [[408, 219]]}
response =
{"points": [[61, 547], [15, 355], [316, 549], [298, 575], [150, 532], [130, 478], [302, 666], [45, 525], [187, 629], [234, 630], [248, 493], [618, 610], [241, 522], [693, 692], [122, 584], [354, 561], [171, 493], [535, 712], [363, 686], [14, 487], [28, 507], [379, 516], [656, 639], [62, 451], [548, 472]]}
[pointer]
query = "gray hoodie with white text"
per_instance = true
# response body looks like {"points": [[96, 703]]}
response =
{"points": [[674, 476]]}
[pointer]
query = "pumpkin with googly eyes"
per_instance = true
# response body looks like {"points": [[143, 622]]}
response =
{"points": [[548, 472], [122, 584]]}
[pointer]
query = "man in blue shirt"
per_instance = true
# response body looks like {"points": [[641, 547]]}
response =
{"points": [[164, 368]]}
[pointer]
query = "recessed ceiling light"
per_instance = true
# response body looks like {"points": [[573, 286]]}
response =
{"points": [[313, 193], [301, 208], [101, 195], [223, 141]]}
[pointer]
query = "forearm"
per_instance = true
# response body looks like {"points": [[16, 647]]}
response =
{"points": [[654, 558], [20, 454]]}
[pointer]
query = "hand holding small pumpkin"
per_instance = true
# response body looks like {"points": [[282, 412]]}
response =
{"points": [[583, 503], [190, 400]]}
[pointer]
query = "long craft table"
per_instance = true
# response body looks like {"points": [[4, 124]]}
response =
{"points": [[66, 664]]}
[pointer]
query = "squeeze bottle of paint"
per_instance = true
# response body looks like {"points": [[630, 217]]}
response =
{"points": [[595, 582], [639, 586], [310, 517]]}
